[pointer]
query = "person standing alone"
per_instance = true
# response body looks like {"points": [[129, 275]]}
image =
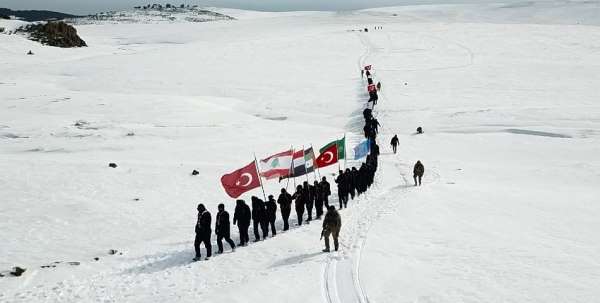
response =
{"points": [[331, 226], [418, 172], [395, 143]]}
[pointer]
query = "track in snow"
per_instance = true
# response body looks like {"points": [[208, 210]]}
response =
{"points": [[341, 277]]}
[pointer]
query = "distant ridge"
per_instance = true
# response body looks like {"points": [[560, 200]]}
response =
{"points": [[35, 15]]}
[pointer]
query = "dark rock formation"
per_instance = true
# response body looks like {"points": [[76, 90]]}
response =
{"points": [[59, 34], [112, 165]]}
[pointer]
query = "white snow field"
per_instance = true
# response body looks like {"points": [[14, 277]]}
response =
{"points": [[508, 96]]}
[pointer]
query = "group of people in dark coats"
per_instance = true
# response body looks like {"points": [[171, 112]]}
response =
{"points": [[351, 183], [308, 197]]}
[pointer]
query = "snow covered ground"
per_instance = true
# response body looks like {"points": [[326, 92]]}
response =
{"points": [[507, 96]]}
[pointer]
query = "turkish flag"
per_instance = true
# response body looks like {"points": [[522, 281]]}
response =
{"points": [[371, 88], [241, 180], [328, 156]]}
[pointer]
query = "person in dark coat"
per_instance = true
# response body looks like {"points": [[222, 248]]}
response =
{"points": [[350, 183], [318, 199], [271, 206], [419, 130], [299, 203], [222, 228], [307, 193], [375, 125], [203, 232], [325, 191], [285, 204], [332, 224], [378, 85], [367, 113], [259, 218], [355, 180], [395, 143], [342, 189], [418, 172], [241, 217]]}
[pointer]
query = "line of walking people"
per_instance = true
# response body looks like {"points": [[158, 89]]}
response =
{"points": [[351, 183]]}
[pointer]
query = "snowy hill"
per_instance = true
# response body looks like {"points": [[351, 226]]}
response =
{"points": [[507, 96], [154, 15]]}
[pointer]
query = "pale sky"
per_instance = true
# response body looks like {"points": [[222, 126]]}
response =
{"points": [[94, 6]]}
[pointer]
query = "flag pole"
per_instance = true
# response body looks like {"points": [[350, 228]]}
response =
{"points": [[303, 157], [344, 151], [259, 177], [291, 168], [319, 171], [293, 175]]}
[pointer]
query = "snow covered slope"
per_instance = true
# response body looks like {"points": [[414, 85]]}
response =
{"points": [[508, 211]]}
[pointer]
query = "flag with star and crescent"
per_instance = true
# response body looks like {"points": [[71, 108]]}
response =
{"points": [[328, 156], [241, 180]]}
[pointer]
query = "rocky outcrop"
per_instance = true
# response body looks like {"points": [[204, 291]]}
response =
{"points": [[59, 34]]}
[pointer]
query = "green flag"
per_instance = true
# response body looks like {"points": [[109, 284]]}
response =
{"points": [[341, 147]]}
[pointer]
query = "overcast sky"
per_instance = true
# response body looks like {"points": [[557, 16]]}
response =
{"points": [[94, 6]]}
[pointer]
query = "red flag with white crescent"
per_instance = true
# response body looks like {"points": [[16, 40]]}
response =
{"points": [[327, 157], [241, 180], [371, 88]]}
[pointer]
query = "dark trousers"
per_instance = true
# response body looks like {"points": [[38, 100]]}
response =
{"points": [[244, 238], [272, 224], [326, 201], [203, 238], [417, 177], [309, 208], [319, 207], [394, 147], [285, 216], [299, 213], [262, 225], [220, 242]]}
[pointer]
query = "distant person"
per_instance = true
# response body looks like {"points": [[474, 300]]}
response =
{"points": [[419, 130], [242, 217], [331, 226], [362, 73], [223, 228], [203, 232], [395, 143], [378, 85], [29, 53], [299, 203], [271, 206], [418, 172], [285, 204]]}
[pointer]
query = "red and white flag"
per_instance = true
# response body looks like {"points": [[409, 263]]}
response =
{"points": [[328, 156], [371, 88], [241, 180], [278, 165]]}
